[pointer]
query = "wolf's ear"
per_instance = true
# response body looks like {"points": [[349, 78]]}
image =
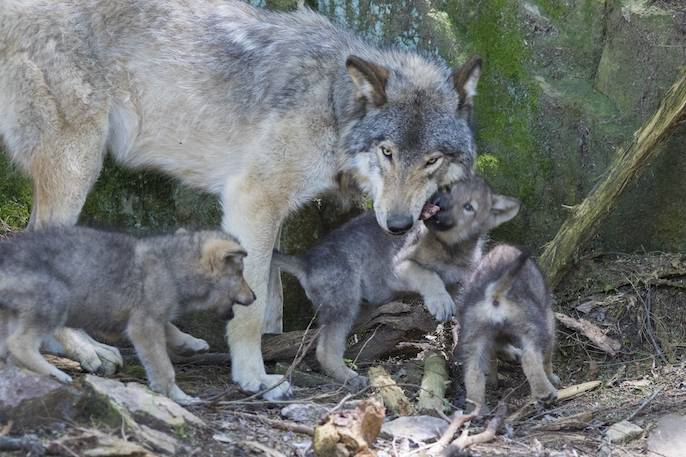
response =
{"points": [[502, 210], [465, 80], [217, 251], [370, 79]]}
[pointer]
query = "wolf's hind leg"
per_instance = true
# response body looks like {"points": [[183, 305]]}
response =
{"points": [[533, 365], [23, 345], [330, 351]]}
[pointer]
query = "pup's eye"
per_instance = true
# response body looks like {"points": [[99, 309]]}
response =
{"points": [[468, 207], [432, 161], [386, 152]]}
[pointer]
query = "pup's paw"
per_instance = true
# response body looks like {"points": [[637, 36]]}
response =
{"points": [[110, 359], [182, 398], [356, 383], [61, 376], [191, 346], [441, 306], [546, 400]]}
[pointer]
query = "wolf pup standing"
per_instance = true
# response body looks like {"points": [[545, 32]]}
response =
{"points": [[360, 262], [265, 110], [116, 283], [507, 308]]}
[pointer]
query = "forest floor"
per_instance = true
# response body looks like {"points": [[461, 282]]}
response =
{"points": [[638, 300]]}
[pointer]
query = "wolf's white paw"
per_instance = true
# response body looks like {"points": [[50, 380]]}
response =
{"points": [[280, 392], [441, 306], [110, 358]]}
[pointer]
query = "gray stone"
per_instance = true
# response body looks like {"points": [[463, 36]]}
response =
{"points": [[623, 432], [144, 405], [304, 412], [419, 429], [668, 438], [29, 399]]}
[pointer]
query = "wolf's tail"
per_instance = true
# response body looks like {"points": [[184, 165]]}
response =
{"points": [[504, 283], [290, 264]]}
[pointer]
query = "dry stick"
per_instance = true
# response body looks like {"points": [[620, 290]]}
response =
{"points": [[592, 332], [645, 403], [581, 224], [281, 425], [487, 435], [457, 422], [564, 394]]}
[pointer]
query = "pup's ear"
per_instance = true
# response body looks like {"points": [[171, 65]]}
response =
{"points": [[216, 252], [370, 79], [465, 80], [502, 210]]}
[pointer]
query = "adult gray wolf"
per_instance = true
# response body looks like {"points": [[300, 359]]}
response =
{"points": [[507, 308], [112, 282], [266, 110], [360, 262]]}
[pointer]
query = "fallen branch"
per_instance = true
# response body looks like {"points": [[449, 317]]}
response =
{"points": [[30, 444], [592, 332], [574, 422], [434, 383], [466, 440], [562, 395], [281, 425], [456, 423], [645, 403], [393, 396], [560, 253]]}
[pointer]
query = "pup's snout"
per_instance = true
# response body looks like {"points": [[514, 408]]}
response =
{"points": [[442, 200], [246, 296], [399, 224]]}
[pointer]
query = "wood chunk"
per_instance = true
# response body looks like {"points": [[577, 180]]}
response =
{"points": [[393, 396], [349, 433], [434, 383]]}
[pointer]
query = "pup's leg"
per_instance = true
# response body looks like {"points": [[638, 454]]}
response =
{"points": [[532, 364], [93, 356], [182, 343], [430, 286], [23, 346], [548, 361], [253, 216], [148, 337], [330, 351], [492, 377], [5, 329], [477, 353]]}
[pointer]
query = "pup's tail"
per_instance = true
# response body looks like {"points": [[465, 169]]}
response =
{"points": [[290, 264], [504, 283]]}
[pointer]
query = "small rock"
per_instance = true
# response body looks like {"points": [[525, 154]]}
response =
{"points": [[419, 429], [145, 406], [623, 432], [29, 399], [303, 412], [668, 438]]}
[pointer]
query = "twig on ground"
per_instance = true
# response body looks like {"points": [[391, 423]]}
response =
{"points": [[592, 332], [266, 450], [562, 395], [281, 425], [645, 403], [456, 423], [465, 440]]}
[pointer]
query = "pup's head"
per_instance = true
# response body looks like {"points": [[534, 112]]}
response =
{"points": [[222, 258], [469, 208], [410, 132]]}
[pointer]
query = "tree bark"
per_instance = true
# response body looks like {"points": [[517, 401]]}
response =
{"points": [[560, 253]]}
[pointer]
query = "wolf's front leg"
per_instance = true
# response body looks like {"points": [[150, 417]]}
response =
{"points": [[254, 218], [75, 344], [182, 343], [429, 285]]}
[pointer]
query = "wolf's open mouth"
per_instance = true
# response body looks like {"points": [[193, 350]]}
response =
{"points": [[428, 211]]}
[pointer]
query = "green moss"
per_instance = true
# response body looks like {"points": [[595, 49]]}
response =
{"points": [[15, 196]]}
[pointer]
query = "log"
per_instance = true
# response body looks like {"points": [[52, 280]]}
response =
{"points": [[434, 383], [377, 331], [561, 252], [592, 332], [393, 396]]}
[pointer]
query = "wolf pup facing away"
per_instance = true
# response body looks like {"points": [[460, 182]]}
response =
{"points": [[360, 262], [265, 110], [116, 283], [507, 308]]}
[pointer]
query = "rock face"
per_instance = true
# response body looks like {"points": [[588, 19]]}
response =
{"points": [[563, 85], [28, 399], [668, 438]]}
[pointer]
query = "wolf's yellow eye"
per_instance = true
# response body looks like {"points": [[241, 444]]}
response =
{"points": [[386, 152], [432, 161]]}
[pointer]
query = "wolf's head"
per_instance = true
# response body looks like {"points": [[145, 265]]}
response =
{"points": [[410, 131], [468, 209]]}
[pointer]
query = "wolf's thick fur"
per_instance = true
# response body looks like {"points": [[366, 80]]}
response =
{"points": [[95, 280], [265, 110], [507, 308], [360, 262]]}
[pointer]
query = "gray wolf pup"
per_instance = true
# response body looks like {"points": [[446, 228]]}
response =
{"points": [[265, 110], [360, 262], [115, 283], [507, 308]]}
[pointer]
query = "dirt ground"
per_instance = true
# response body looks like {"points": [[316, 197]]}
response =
{"points": [[636, 299]]}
